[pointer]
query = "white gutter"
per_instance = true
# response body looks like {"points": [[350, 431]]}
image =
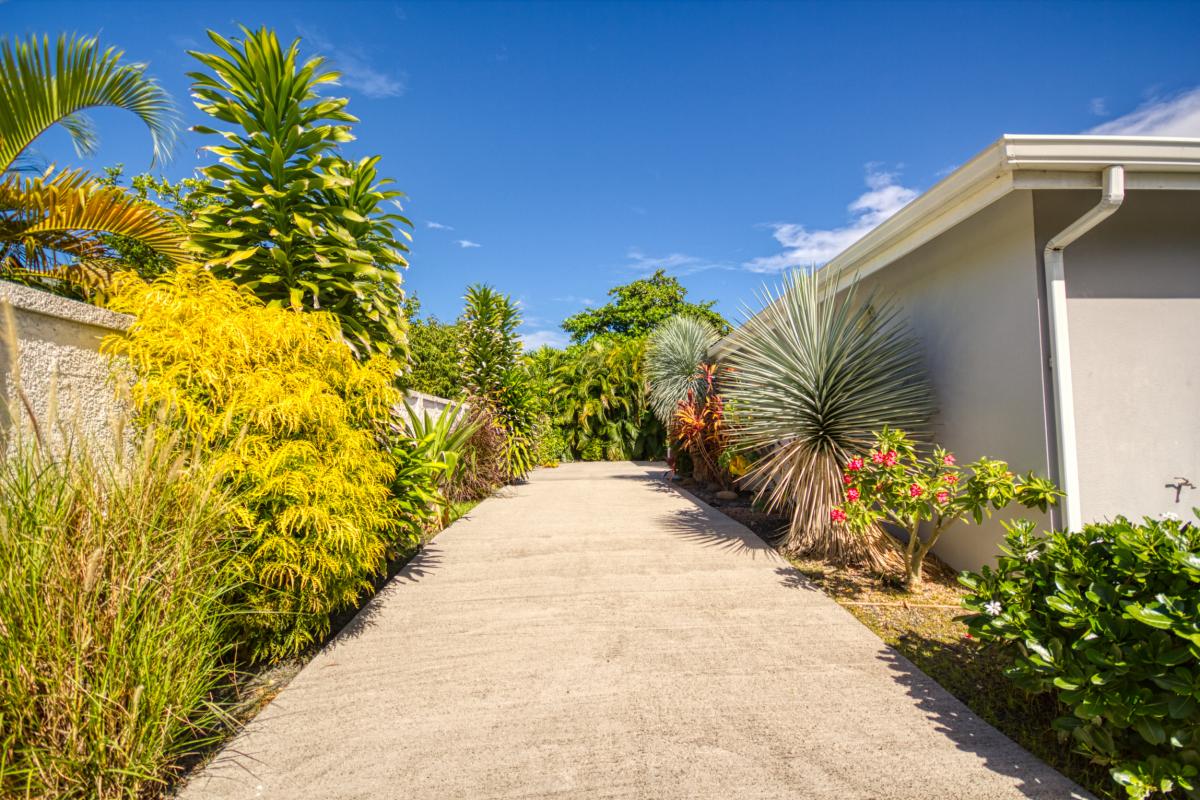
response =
{"points": [[1060, 340]]}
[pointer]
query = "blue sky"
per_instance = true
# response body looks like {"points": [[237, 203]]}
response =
{"points": [[558, 149]]}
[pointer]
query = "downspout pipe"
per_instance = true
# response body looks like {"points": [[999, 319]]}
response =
{"points": [[1060, 340]]}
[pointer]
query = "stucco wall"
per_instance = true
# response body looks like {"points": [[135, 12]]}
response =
{"points": [[49, 347], [1133, 307], [971, 295]]}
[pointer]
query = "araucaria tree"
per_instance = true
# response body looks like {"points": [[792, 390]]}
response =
{"points": [[286, 215], [812, 377]]}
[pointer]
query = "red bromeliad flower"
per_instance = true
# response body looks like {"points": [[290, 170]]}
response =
{"points": [[948, 460], [915, 491], [889, 458], [943, 497], [852, 494], [855, 464], [951, 479], [876, 458], [837, 515], [847, 479]]}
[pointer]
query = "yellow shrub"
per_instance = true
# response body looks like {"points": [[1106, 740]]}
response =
{"points": [[291, 418]]}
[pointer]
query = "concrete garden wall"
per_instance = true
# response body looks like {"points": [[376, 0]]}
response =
{"points": [[50, 364]]}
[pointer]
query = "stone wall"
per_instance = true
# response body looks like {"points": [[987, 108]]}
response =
{"points": [[51, 365]]}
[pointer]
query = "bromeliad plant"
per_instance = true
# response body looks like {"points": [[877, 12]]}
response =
{"points": [[894, 484], [1107, 619]]}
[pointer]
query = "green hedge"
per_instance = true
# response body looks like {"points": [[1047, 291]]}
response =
{"points": [[1107, 619]]}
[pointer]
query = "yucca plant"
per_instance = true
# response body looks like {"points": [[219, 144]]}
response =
{"points": [[286, 215], [53, 223], [811, 378], [675, 353]]}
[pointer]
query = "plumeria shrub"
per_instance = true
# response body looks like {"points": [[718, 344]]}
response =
{"points": [[1108, 620], [895, 484]]}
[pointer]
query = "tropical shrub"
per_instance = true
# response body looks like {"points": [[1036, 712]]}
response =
{"points": [[438, 443], [484, 458], [676, 353], [179, 199], [600, 404], [700, 427], [113, 593], [284, 214], [53, 225], [1106, 619], [639, 307], [293, 421], [433, 361], [811, 378], [893, 483], [493, 375]]}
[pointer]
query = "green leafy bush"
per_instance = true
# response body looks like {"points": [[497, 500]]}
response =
{"points": [[1108, 620], [113, 593], [893, 483]]}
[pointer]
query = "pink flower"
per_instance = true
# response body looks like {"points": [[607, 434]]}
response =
{"points": [[847, 479], [889, 458], [877, 458], [948, 460], [837, 515], [951, 479], [943, 497], [915, 491], [855, 464], [852, 494]]}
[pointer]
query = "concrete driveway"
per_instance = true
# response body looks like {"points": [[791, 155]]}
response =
{"points": [[595, 634]]}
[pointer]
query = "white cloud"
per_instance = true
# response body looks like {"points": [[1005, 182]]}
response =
{"points": [[437, 226], [807, 248], [1098, 106], [1178, 115], [465, 243], [676, 263], [357, 73], [587, 301], [535, 339]]}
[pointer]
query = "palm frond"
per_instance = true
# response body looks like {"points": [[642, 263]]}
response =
{"points": [[42, 85]]}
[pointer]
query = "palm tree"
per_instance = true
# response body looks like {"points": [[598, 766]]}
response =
{"points": [[52, 224]]}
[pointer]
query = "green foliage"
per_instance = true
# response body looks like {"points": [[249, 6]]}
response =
{"points": [[433, 363], [293, 421], [600, 405], [284, 214], [113, 591], [493, 375], [675, 352], [810, 380], [893, 483], [440, 443], [1107, 620], [54, 226], [181, 199], [638, 307]]}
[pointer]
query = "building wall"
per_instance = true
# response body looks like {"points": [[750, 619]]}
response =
{"points": [[50, 350], [972, 296], [1133, 307]]}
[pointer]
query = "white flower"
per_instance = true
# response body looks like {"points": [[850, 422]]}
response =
{"points": [[1169, 515], [993, 607], [1031, 556]]}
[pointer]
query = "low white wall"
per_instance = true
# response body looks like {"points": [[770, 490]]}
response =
{"points": [[50, 364]]}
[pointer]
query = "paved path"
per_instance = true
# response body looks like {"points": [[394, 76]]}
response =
{"points": [[595, 634]]}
